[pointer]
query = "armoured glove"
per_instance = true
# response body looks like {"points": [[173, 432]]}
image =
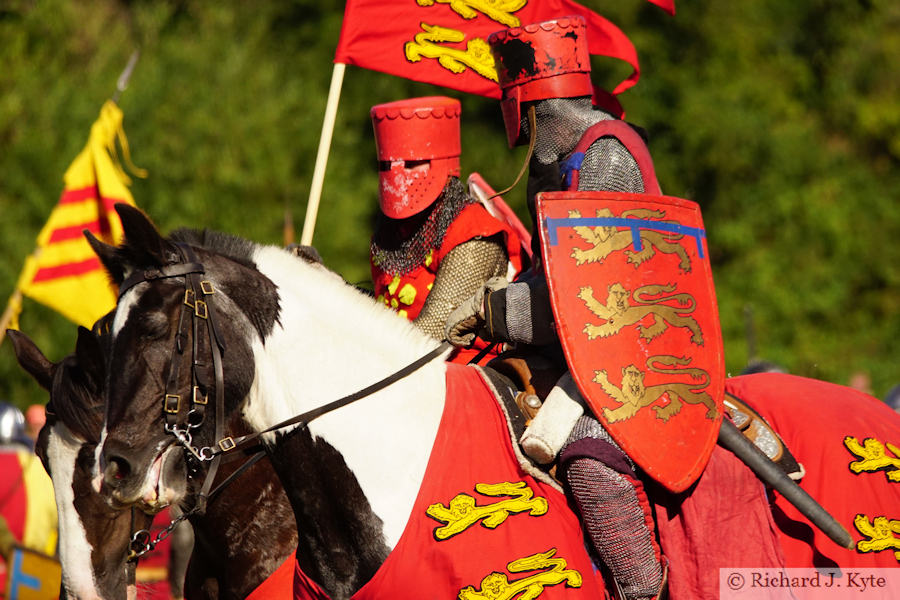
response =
{"points": [[464, 323]]}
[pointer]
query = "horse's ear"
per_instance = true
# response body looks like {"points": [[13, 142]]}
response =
{"points": [[108, 256], [90, 356], [142, 238], [32, 359]]}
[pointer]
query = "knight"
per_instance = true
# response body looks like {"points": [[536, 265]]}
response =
{"points": [[544, 76], [433, 245]]}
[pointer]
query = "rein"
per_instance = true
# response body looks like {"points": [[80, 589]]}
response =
{"points": [[142, 542], [228, 444]]}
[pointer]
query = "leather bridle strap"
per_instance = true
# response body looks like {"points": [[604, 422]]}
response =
{"points": [[228, 444], [207, 311], [196, 292]]}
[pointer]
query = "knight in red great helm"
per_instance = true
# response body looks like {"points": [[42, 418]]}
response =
{"points": [[433, 245], [544, 74]]}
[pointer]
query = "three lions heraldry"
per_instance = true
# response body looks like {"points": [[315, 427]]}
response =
{"points": [[635, 308]]}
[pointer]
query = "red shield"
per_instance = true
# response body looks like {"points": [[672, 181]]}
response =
{"points": [[632, 293]]}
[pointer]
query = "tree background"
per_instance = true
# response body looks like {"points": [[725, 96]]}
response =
{"points": [[780, 119]]}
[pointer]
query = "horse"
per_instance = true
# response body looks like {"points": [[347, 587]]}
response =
{"points": [[376, 482], [360, 480], [228, 561]]}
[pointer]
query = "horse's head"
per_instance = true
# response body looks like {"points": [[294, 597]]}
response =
{"points": [[94, 538], [170, 322]]}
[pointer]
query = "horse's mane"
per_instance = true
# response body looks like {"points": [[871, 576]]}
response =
{"points": [[235, 248], [76, 400], [287, 271]]}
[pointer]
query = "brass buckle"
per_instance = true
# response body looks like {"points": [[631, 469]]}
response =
{"points": [[198, 399], [227, 444], [200, 309], [207, 288], [189, 298], [167, 403]]}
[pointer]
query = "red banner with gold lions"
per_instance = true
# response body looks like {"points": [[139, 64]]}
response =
{"points": [[633, 297], [442, 42]]}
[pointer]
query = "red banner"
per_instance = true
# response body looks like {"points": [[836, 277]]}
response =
{"points": [[666, 5], [442, 42]]}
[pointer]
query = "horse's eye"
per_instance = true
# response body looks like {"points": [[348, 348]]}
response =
{"points": [[154, 326]]}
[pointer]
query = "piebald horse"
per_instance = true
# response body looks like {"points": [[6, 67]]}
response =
{"points": [[241, 540], [294, 336]]}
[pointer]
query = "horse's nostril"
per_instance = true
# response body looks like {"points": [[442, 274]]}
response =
{"points": [[117, 469]]}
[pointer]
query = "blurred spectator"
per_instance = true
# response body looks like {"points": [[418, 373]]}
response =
{"points": [[861, 381], [26, 492], [758, 365], [892, 398], [35, 417]]}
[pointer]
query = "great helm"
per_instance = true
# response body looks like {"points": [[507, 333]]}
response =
{"points": [[538, 62], [12, 426], [418, 147]]}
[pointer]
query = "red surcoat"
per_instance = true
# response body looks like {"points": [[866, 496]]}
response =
{"points": [[407, 293], [479, 520]]}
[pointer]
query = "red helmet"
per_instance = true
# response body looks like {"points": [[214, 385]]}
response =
{"points": [[418, 147], [538, 62]]}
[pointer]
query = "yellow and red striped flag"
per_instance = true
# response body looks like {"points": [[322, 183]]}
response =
{"points": [[63, 272]]}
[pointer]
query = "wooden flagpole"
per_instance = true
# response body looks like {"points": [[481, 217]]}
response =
{"points": [[11, 312], [315, 191]]}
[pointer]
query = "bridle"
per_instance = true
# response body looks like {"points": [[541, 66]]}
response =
{"points": [[197, 308]]}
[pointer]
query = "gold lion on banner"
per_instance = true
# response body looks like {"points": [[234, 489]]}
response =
{"points": [[477, 54], [495, 10]]}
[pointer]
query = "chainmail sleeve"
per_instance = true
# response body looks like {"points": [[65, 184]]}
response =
{"points": [[462, 271]]}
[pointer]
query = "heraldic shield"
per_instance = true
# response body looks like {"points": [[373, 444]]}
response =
{"points": [[635, 308]]}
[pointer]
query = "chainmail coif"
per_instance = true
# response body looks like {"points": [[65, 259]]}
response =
{"points": [[399, 246], [607, 165]]}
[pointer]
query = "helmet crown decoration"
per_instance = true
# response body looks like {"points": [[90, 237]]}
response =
{"points": [[540, 61]]}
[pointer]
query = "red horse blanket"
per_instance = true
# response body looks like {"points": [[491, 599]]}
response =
{"points": [[849, 444], [480, 527]]}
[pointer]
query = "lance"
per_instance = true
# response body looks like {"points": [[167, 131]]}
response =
{"points": [[732, 439]]}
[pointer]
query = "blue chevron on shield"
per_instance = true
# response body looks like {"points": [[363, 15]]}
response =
{"points": [[635, 307]]}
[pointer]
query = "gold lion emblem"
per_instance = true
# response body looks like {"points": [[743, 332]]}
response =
{"points": [[873, 457], [497, 586], [496, 10], [634, 395], [880, 533], [477, 54], [619, 312], [606, 240], [463, 512]]}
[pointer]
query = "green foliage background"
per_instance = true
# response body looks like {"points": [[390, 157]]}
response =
{"points": [[781, 119]]}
